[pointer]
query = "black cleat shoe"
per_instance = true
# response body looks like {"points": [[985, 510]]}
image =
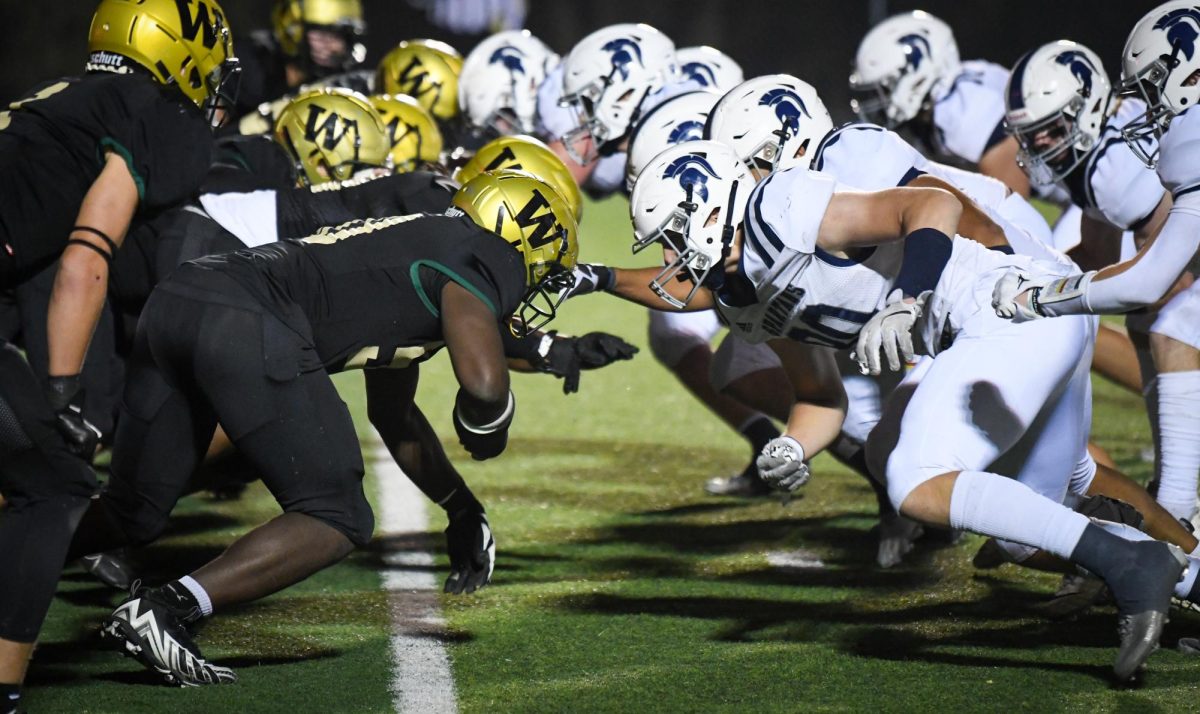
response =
{"points": [[1142, 605], [109, 568], [147, 628]]}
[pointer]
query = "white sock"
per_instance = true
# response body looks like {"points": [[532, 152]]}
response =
{"points": [[1001, 507], [1183, 588], [197, 590], [1179, 433]]}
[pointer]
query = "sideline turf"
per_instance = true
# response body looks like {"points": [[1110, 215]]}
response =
{"points": [[621, 587]]}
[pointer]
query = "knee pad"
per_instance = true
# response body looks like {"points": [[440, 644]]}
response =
{"points": [[673, 335]]}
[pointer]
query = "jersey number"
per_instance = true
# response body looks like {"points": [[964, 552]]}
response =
{"points": [[6, 117]]}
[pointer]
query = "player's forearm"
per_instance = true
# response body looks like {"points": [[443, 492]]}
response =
{"points": [[80, 287], [418, 452], [633, 284], [815, 425]]}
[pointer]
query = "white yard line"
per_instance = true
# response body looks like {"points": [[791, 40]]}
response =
{"points": [[423, 681]]}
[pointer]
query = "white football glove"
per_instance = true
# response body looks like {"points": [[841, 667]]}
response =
{"points": [[890, 330], [1044, 295], [781, 464]]}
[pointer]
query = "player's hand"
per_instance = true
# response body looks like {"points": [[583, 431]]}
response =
{"points": [[781, 464], [567, 356], [472, 552], [890, 330], [590, 278], [482, 444], [65, 396], [1010, 297]]}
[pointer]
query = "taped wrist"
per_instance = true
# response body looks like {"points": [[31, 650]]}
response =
{"points": [[497, 424], [61, 391], [460, 501], [1064, 296], [926, 253]]}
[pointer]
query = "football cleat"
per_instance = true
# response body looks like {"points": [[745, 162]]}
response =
{"points": [[1075, 594], [148, 628], [1143, 603], [897, 535]]}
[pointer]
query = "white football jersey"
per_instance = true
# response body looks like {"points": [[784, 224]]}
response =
{"points": [[871, 158], [1113, 185], [968, 118], [1179, 157], [787, 286]]}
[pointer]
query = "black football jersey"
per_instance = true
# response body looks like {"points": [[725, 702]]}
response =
{"points": [[302, 211], [248, 163], [263, 77], [52, 147], [367, 294]]}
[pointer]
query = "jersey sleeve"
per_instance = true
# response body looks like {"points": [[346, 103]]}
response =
{"points": [[168, 148], [1179, 156], [785, 212], [1125, 190], [968, 117], [478, 260], [869, 157]]}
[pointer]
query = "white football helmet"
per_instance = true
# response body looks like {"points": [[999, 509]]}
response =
{"points": [[1057, 99], [1157, 64], [691, 199], [709, 67], [900, 64], [606, 77], [498, 86], [772, 122], [681, 118]]}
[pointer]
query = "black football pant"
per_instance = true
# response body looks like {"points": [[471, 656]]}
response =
{"points": [[207, 351], [47, 490]]}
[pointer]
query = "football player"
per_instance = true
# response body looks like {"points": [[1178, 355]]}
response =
{"points": [[1159, 68], [132, 135], [1063, 113], [805, 265], [588, 108], [497, 90], [426, 70], [374, 294], [309, 40]]}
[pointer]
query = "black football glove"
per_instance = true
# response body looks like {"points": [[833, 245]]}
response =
{"points": [[568, 355], [65, 396], [487, 442], [472, 551]]}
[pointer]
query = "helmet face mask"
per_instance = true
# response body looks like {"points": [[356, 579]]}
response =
{"points": [[1143, 135], [323, 36], [871, 102], [901, 65], [1053, 147]]}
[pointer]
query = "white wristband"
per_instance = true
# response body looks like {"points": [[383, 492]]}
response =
{"points": [[499, 423]]}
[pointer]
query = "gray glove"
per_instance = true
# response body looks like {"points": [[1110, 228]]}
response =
{"points": [[781, 464]]}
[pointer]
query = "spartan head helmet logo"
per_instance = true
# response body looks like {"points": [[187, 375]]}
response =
{"points": [[700, 73], [690, 130], [916, 49], [788, 107], [693, 172], [1081, 67], [511, 58], [624, 52], [1181, 33]]}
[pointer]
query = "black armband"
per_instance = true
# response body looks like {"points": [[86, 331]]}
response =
{"points": [[926, 253], [112, 246]]}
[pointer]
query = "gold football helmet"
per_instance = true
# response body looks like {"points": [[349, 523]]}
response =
{"points": [[525, 153], [535, 220], [290, 19], [185, 44], [331, 134], [414, 135], [426, 70]]}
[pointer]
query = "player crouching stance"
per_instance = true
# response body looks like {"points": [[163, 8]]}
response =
{"points": [[804, 265], [248, 339]]}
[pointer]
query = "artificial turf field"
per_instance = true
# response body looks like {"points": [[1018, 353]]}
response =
{"points": [[620, 586]]}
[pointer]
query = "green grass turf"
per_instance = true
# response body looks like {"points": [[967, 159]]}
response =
{"points": [[621, 587]]}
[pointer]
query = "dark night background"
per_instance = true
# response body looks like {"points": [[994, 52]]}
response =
{"points": [[813, 39]]}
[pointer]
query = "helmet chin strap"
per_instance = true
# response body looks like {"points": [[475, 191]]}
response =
{"points": [[716, 275]]}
